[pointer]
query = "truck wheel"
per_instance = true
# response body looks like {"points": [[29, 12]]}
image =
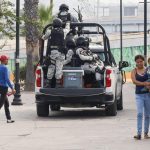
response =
{"points": [[120, 103], [112, 109], [55, 107], [42, 110]]}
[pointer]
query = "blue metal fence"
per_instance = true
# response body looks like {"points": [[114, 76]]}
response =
{"points": [[128, 55]]}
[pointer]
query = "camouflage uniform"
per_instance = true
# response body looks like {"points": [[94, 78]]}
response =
{"points": [[91, 62], [56, 57], [56, 65]]}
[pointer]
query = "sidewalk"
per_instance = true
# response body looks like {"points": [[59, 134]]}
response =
{"points": [[26, 97], [21, 113]]}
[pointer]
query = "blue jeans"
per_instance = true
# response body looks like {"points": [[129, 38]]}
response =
{"points": [[143, 104]]}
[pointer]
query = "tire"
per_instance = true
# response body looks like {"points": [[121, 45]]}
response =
{"points": [[120, 103], [42, 110], [55, 107], [112, 109]]}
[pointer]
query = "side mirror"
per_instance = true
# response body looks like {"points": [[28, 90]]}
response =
{"points": [[123, 64]]}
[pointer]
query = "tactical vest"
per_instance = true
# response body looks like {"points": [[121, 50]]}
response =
{"points": [[80, 62], [57, 39], [64, 18]]}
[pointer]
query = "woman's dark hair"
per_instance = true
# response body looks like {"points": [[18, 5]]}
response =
{"points": [[139, 57]]}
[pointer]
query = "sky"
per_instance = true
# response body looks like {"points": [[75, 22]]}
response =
{"points": [[86, 8], [74, 3]]}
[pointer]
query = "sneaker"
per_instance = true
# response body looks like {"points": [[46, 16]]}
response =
{"points": [[137, 137], [10, 121], [146, 136]]}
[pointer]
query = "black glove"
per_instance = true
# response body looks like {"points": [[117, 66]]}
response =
{"points": [[68, 17], [47, 61], [99, 70]]}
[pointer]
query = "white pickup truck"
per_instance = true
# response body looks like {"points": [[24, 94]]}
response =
{"points": [[80, 88]]}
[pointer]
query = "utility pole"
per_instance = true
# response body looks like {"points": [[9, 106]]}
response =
{"points": [[97, 11], [121, 57], [51, 6], [51, 2], [17, 99], [145, 30]]}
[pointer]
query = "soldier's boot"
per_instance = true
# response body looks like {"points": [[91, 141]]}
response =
{"points": [[48, 83], [58, 83]]}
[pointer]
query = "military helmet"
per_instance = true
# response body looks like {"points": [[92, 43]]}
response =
{"points": [[70, 43], [57, 23], [63, 7], [82, 41]]}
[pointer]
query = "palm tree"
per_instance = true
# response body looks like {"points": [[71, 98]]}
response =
{"points": [[32, 37], [45, 15]]}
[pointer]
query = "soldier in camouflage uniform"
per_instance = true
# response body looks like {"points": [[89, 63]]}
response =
{"points": [[56, 38], [88, 60]]}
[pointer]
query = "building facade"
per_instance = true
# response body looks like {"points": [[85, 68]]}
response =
{"points": [[109, 16]]}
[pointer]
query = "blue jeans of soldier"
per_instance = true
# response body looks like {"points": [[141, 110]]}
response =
{"points": [[143, 105]]}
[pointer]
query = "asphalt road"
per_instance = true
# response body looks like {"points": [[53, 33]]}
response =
{"points": [[71, 129]]}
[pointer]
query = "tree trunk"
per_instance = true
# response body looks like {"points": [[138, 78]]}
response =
{"points": [[32, 45]]}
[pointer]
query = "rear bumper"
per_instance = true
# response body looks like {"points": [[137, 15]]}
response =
{"points": [[74, 96]]}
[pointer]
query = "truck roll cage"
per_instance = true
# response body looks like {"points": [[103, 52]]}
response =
{"points": [[100, 30]]}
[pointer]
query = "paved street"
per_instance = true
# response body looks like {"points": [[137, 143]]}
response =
{"points": [[71, 129]]}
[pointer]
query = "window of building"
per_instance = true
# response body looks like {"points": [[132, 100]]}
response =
{"points": [[130, 11], [104, 12]]}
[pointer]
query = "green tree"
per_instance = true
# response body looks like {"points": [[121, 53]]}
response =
{"points": [[7, 20], [45, 16], [32, 37]]}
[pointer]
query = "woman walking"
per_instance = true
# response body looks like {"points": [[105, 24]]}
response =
{"points": [[4, 84], [139, 77]]}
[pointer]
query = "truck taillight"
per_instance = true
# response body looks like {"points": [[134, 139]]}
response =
{"points": [[108, 79], [38, 78]]}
